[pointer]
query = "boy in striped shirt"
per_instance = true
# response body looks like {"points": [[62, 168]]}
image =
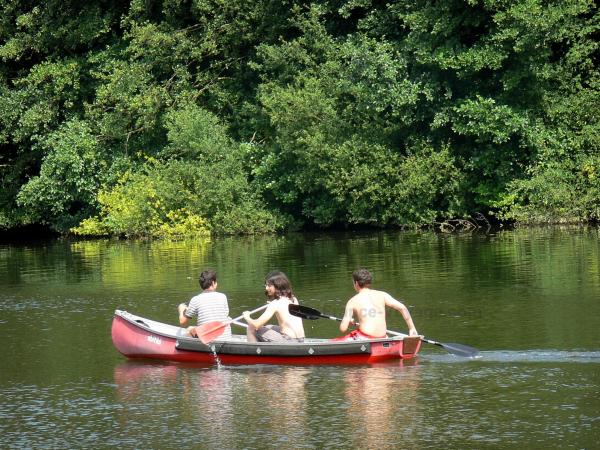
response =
{"points": [[208, 306]]}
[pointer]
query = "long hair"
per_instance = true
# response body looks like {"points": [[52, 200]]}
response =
{"points": [[281, 283]]}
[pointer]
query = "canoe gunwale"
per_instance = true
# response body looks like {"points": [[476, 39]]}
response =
{"points": [[277, 348]]}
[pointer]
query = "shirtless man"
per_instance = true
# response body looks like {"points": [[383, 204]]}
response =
{"points": [[368, 306], [279, 290]]}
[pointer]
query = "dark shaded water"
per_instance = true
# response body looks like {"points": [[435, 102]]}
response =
{"points": [[529, 299]]}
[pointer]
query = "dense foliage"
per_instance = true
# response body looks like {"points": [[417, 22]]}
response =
{"points": [[189, 117]]}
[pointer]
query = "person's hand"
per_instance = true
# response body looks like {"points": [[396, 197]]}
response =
{"points": [[246, 315], [413, 332]]}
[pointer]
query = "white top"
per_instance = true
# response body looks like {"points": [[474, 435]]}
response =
{"points": [[210, 306]]}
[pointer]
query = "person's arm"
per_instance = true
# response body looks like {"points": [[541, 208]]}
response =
{"points": [[347, 319], [264, 317], [183, 319], [395, 304]]}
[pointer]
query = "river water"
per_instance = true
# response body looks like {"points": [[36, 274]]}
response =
{"points": [[528, 299]]}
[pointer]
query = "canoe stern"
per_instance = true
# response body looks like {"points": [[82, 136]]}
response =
{"points": [[405, 348]]}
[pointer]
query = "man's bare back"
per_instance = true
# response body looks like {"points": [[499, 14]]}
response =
{"points": [[368, 307]]}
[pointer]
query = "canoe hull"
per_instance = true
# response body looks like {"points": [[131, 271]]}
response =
{"points": [[136, 337]]}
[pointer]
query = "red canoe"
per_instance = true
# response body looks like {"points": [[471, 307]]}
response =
{"points": [[138, 337]]}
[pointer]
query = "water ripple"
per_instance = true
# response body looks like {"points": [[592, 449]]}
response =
{"points": [[512, 356]]}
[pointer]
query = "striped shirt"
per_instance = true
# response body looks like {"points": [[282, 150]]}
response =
{"points": [[210, 306]]}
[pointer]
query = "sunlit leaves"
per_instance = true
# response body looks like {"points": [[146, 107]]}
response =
{"points": [[196, 184], [485, 120], [36, 103], [72, 171]]}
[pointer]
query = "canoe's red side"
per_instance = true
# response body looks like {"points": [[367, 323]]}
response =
{"points": [[137, 342]]}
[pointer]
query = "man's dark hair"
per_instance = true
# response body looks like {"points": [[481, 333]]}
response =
{"points": [[281, 283], [363, 277], [206, 278]]}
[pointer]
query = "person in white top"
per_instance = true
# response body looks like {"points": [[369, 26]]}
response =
{"points": [[279, 290], [208, 306]]}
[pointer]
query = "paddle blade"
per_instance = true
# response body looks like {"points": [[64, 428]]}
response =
{"points": [[208, 332], [459, 349], [304, 312]]}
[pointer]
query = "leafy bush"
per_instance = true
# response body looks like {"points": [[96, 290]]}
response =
{"points": [[65, 190], [138, 206], [554, 193], [208, 191]]}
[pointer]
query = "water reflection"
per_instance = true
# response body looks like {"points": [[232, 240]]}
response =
{"points": [[200, 397], [133, 379], [276, 402], [383, 405], [288, 407], [220, 406], [207, 400]]}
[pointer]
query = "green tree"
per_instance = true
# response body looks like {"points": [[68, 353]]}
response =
{"points": [[197, 180], [319, 112]]}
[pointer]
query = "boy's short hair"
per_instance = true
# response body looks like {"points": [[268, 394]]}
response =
{"points": [[206, 278], [363, 277]]}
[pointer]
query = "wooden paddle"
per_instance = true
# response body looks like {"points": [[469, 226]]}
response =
{"points": [[209, 331], [312, 314]]}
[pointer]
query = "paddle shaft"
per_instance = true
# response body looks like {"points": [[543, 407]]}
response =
{"points": [[239, 324], [214, 331], [395, 333], [251, 312], [456, 349]]}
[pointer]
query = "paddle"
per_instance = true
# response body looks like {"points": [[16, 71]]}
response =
{"points": [[208, 332], [239, 324], [312, 314]]}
